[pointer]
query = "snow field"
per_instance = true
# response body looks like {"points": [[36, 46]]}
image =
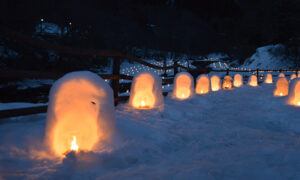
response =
{"points": [[244, 133]]}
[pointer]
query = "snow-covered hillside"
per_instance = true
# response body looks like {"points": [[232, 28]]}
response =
{"points": [[245, 133], [268, 57]]}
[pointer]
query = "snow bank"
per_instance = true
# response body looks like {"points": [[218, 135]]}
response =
{"points": [[266, 58], [81, 105]]}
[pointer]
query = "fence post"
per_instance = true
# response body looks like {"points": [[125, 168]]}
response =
{"points": [[297, 73], [165, 70], [175, 68], [227, 72], [115, 82], [257, 74]]}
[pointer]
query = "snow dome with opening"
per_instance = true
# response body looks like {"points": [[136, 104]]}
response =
{"points": [[203, 84], [215, 83], [183, 86], [281, 75], [252, 81], [146, 91], [282, 87], [80, 113], [238, 80], [294, 94], [227, 83], [269, 79], [293, 76]]}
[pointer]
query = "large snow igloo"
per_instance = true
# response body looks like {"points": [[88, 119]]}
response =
{"points": [[183, 86], [215, 83], [203, 84], [282, 87], [80, 113], [227, 83], [294, 94], [146, 91], [238, 80], [252, 81], [269, 79]]}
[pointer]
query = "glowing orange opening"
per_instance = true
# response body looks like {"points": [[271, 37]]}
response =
{"points": [[143, 97], [227, 83], [253, 81], [76, 117], [281, 75], [74, 146], [183, 87], [269, 79], [202, 86], [238, 80], [215, 83], [294, 98], [282, 87], [293, 76]]}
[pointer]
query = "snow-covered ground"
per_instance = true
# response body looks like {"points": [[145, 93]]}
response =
{"points": [[245, 133], [268, 57]]}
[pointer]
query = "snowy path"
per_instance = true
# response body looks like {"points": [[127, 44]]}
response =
{"points": [[245, 133]]}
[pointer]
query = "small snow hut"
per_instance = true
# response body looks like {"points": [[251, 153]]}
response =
{"points": [[203, 84], [183, 86], [238, 80], [252, 81], [146, 91], [215, 83], [282, 87]]}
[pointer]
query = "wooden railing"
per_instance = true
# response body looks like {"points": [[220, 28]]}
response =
{"points": [[114, 77]]}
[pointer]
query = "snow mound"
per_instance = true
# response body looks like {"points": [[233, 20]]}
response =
{"points": [[268, 57]]}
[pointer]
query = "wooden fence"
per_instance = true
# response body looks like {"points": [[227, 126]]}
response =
{"points": [[114, 77]]}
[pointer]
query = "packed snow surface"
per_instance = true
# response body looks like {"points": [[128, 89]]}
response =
{"points": [[245, 133], [268, 57]]}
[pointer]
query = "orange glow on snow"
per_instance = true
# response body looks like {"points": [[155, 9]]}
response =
{"points": [[269, 79], [76, 124], [238, 80], [282, 87], [281, 75], [294, 97], [253, 81], [202, 86], [227, 83], [183, 85], [293, 76], [215, 83], [143, 97], [74, 146]]}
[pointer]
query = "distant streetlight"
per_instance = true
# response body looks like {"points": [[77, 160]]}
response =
{"points": [[42, 20]]}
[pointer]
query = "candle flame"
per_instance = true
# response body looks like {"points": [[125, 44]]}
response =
{"points": [[74, 146], [143, 103], [280, 94]]}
